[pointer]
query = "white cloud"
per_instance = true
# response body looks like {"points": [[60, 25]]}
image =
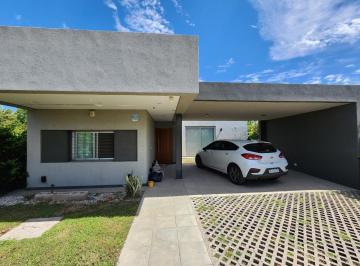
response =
{"points": [[115, 14], [273, 76], [224, 67], [18, 17], [302, 27], [110, 4], [350, 66], [180, 10], [253, 26], [314, 80], [337, 79], [146, 16], [357, 71]]}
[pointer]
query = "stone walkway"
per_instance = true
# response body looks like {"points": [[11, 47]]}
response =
{"points": [[31, 228], [165, 232]]}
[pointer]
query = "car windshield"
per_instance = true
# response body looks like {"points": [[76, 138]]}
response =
{"points": [[260, 147]]}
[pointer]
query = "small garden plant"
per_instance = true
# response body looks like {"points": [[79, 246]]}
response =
{"points": [[132, 186]]}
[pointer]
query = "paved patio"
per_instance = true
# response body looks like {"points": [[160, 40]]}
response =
{"points": [[167, 230]]}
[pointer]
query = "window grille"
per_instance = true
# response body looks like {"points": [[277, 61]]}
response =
{"points": [[90, 145]]}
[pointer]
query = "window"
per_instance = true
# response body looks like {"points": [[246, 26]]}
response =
{"points": [[196, 138], [229, 146], [260, 147], [217, 145], [87, 145]]}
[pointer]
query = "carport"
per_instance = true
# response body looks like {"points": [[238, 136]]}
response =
{"points": [[317, 126]]}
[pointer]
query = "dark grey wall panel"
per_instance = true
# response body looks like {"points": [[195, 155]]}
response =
{"points": [[322, 143], [55, 146], [126, 145]]}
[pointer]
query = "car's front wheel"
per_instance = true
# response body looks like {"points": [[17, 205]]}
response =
{"points": [[198, 162], [235, 174]]}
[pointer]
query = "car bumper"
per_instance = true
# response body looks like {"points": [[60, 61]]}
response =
{"points": [[266, 174]]}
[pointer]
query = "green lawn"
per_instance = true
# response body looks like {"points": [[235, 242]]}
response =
{"points": [[86, 236]]}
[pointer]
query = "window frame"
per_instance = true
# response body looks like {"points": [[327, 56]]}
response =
{"points": [[95, 146]]}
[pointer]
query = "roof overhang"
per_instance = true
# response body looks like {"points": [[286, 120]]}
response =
{"points": [[160, 107], [261, 101]]}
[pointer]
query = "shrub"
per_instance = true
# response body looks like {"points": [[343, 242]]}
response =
{"points": [[13, 149], [132, 186], [253, 130]]}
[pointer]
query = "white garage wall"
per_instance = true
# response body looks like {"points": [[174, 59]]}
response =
{"points": [[230, 130], [90, 173]]}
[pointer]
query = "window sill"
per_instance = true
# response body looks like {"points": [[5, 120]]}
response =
{"points": [[92, 160]]}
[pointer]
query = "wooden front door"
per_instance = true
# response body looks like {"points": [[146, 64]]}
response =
{"points": [[164, 145]]}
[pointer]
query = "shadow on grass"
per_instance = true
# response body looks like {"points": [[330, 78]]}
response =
{"points": [[20, 213]]}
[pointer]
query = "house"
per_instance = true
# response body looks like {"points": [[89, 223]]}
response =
{"points": [[198, 134], [103, 104]]}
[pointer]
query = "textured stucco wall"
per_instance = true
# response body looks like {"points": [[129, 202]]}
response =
{"points": [[322, 143], [90, 173], [97, 61], [222, 91], [230, 130]]}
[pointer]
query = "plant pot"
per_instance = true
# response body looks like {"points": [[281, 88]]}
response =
{"points": [[151, 184]]}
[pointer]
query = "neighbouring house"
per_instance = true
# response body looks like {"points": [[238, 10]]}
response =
{"points": [[103, 104], [197, 134]]}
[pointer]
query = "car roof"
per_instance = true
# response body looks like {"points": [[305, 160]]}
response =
{"points": [[241, 142]]}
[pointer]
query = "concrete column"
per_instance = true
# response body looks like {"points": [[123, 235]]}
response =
{"points": [[178, 145], [262, 129]]}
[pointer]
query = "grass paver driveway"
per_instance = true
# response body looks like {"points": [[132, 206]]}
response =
{"points": [[289, 228], [87, 235]]}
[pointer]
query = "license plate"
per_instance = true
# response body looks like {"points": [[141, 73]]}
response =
{"points": [[273, 171]]}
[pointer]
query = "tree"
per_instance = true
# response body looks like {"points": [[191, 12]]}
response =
{"points": [[13, 127], [253, 130]]}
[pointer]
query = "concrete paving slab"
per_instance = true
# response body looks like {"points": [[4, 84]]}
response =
{"points": [[31, 228], [164, 253], [186, 220], [194, 254], [189, 234]]}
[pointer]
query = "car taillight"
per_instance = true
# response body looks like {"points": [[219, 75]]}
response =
{"points": [[281, 155], [250, 156]]}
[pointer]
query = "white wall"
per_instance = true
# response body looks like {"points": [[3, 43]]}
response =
{"points": [[230, 130], [93, 172]]}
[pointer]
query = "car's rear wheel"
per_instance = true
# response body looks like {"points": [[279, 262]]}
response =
{"points": [[235, 174], [198, 162]]}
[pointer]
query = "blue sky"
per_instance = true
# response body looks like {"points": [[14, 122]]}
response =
{"points": [[289, 41]]}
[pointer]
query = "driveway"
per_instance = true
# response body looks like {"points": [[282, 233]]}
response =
{"points": [[204, 219], [291, 228]]}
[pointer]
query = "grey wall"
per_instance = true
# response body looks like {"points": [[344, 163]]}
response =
{"points": [[264, 92], [89, 173], [323, 143], [97, 61]]}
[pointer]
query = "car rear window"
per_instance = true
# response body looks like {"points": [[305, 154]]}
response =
{"points": [[260, 147]]}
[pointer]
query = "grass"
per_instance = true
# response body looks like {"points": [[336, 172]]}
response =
{"points": [[86, 236]]}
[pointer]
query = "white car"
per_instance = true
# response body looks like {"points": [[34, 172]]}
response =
{"points": [[243, 160]]}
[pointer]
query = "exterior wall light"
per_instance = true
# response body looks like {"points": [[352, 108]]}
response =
{"points": [[92, 113], [135, 117]]}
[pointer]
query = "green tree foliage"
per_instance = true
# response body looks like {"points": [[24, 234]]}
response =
{"points": [[12, 149], [253, 130]]}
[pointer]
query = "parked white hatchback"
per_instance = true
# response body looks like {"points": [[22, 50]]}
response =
{"points": [[243, 159]]}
